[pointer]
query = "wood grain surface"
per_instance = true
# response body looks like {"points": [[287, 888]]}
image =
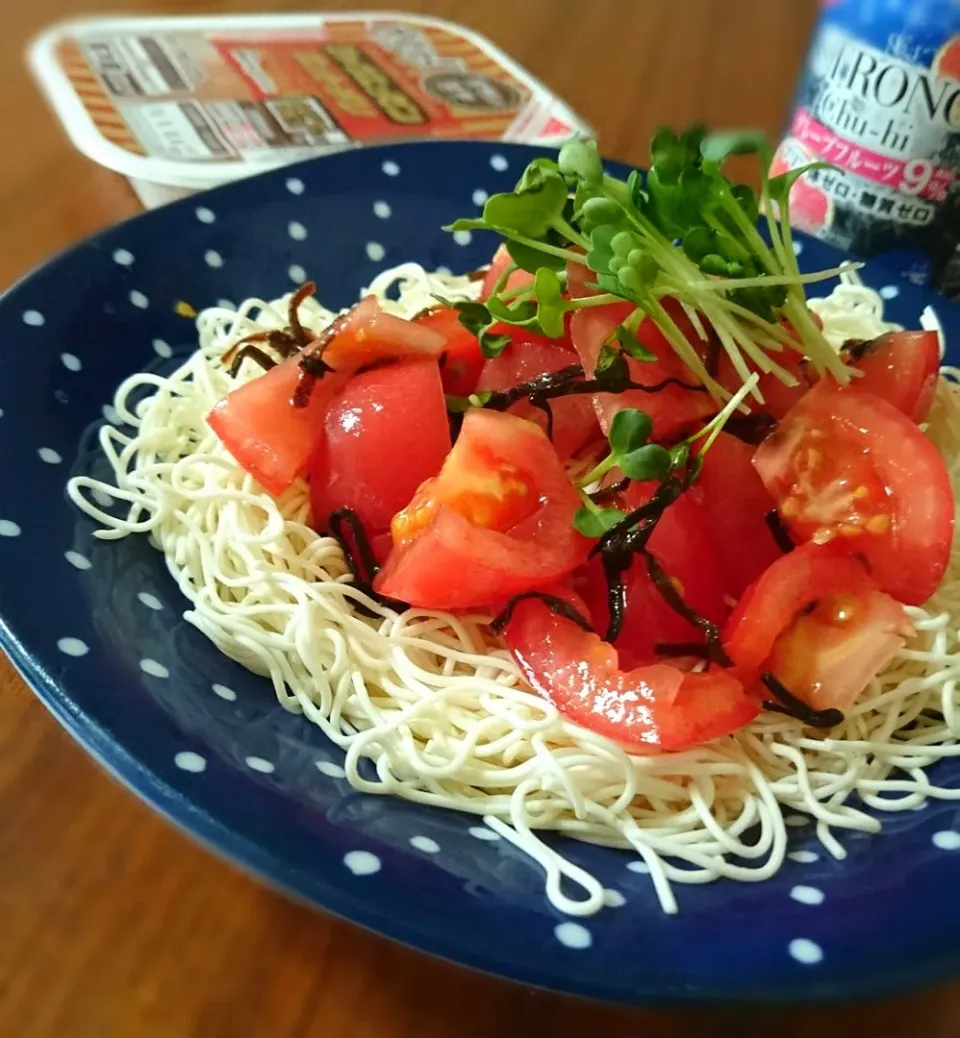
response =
{"points": [[114, 924]]}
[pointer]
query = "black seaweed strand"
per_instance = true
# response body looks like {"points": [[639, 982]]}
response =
{"points": [[779, 531], [556, 605], [250, 352], [785, 702], [346, 527]]}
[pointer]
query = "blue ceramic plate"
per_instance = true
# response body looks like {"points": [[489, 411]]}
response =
{"points": [[96, 628]]}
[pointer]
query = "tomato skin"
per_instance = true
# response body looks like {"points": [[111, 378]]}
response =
{"points": [[366, 334], [385, 432], [771, 603], [736, 504], [848, 466], [501, 260], [902, 368], [266, 435], [466, 541], [462, 357], [527, 356], [652, 708], [817, 621], [672, 409]]}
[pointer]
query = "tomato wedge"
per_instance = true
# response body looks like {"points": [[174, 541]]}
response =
{"points": [[462, 357], [267, 436], [496, 521], [683, 545], [656, 707], [501, 260], [672, 409], [901, 368], [845, 465], [529, 355], [386, 432], [817, 620], [736, 503], [366, 334]]}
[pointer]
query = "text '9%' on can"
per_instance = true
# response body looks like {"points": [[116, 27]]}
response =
{"points": [[879, 99]]}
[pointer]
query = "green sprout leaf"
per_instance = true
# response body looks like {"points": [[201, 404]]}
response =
{"points": [[550, 303], [531, 260], [460, 404], [779, 187], [579, 161], [594, 522], [629, 430], [720, 146], [631, 345], [648, 462], [611, 366], [478, 319]]}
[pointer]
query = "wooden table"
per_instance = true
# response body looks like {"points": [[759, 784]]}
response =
{"points": [[115, 925]]}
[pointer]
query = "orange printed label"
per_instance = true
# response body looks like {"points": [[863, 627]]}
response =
{"points": [[234, 96]]}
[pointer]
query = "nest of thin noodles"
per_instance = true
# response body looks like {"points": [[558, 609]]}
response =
{"points": [[435, 702]]}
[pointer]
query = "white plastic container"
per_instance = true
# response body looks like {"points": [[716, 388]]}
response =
{"points": [[177, 105]]}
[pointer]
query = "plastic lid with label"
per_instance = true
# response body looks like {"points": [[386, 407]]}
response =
{"points": [[197, 101]]}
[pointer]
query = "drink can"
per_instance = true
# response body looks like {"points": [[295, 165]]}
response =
{"points": [[879, 99]]}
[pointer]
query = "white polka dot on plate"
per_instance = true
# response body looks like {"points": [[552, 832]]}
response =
{"points": [[103, 499], [33, 317], [390, 168], [296, 230], [123, 256], [462, 237], [807, 895], [795, 821], [153, 668], [382, 209], [49, 455], [260, 764], [296, 273], [947, 840], [480, 832], [573, 935], [73, 647], [226, 304], [375, 251], [212, 258], [77, 560], [797, 247], [425, 844], [295, 185], [805, 951], [8, 528], [639, 866], [111, 414], [70, 361], [361, 863], [150, 601], [480, 196], [499, 163], [205, 215], [890, 291], [162, 349], [139, 300], [804, 857], [614, 899], [187, 760], [225, 692], [331, 770]]}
